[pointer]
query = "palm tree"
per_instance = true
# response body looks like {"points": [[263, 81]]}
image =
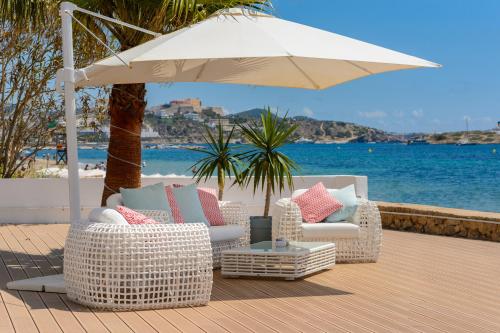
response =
{"points": [[220, 157], [127, 101], [268, 167]]}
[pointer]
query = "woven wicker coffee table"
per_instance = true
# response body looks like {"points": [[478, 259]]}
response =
{"points": [[294, 261]]}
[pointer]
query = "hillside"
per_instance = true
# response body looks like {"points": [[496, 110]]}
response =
{"points": [[325, 130], [480, 137], [180, 129]]}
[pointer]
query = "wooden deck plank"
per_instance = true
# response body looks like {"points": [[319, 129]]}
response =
{"points": [[421, 283], [222, 320], [29, 313], [259, 300], [53, 265], [157, 322], [179, 321], [36, 265], [259, 315], [201, 321], [382, 289], [239, 317]]}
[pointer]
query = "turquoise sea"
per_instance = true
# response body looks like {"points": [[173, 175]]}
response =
{"points": [[443, 175]]}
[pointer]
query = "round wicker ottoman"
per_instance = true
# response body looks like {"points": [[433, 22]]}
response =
{"points": [[133, 267]]}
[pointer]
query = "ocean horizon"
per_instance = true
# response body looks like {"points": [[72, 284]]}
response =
{"points": [[466, 177]]}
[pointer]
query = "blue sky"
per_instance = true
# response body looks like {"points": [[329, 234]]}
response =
{"points": [[462, 35]]}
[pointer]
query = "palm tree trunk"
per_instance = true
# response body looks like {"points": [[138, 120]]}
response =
{"points": [[268, 198], [126, 110], [220, 181]]}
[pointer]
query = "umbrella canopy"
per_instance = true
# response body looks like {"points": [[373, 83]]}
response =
{"points": [[245, 47]]}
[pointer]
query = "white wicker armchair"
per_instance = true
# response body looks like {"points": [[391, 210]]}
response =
{"points": [[287, 223], [136, 267], [234, 213]]}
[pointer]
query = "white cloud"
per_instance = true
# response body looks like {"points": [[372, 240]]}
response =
{"points": [[373, 114], [417, 113], [466, 118], [308, 112]]}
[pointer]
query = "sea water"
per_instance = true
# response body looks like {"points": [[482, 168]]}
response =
{"points": [[443, 175]]}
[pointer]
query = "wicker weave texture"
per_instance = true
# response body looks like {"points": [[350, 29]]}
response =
{"points": [[234, 213], [277, 264], [287, 223], [133, 267]]}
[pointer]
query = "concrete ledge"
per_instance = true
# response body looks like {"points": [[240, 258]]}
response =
{"points": [[440, 221]]}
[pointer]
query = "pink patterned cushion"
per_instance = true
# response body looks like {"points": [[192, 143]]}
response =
{"points": [[316, 204], [176, 212], [210, 205], [134, 217]]}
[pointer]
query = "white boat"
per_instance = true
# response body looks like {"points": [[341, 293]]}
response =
{"points": [[304, 140], [465, 141]]}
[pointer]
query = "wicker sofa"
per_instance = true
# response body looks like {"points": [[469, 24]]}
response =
{"points": [[235, 232], [357, 239]]}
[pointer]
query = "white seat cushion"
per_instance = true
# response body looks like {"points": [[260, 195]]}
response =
{"points": [[225, 232], [106, 215], [323, 230]]}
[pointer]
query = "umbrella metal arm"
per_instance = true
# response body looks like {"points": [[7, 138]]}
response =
{"points": [[70, 7], [67, 75]]}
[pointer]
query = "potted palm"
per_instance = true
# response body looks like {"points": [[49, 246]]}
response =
{"points": [[267, 168], [219, 158]]}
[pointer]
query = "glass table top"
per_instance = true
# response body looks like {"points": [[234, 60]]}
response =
{"points": [[291, 248]]}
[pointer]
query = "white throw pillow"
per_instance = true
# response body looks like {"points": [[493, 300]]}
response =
{"points": [[106, 215]]}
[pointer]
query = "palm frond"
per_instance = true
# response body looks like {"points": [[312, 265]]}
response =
{"points": [[267, 166], [219, 156]]}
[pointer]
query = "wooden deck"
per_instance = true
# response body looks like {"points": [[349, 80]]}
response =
{"points": [[421, 283]]}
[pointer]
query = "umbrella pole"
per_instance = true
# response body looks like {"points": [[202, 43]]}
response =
{"points": [[70, 108]]}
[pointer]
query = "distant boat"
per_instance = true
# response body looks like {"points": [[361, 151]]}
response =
{"points": [[418, 142], [304, 140], [465, 141]]}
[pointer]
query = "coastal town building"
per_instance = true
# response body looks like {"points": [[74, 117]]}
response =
{"points": [[192, 116], [186, 107]]}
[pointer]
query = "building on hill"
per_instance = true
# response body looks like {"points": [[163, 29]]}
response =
{"points": [[196, 102], [183, 107], [186, 105], [192, 116], [164, 115], [217, 110]]}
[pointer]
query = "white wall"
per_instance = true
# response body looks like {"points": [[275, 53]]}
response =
{"points": [[25, 200]]}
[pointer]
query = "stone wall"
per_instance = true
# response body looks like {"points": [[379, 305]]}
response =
{"points": [[440, 221]]}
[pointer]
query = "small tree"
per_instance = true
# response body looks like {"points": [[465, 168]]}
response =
{"points": [[268, 167], [220, 157], [29, 105], [28, 62]]}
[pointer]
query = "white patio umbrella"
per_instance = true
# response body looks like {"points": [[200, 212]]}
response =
{"points": [[236, 46], [247, 47]]}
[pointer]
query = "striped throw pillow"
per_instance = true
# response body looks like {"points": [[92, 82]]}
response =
{"points": [[316, 203], [176, 212]]}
